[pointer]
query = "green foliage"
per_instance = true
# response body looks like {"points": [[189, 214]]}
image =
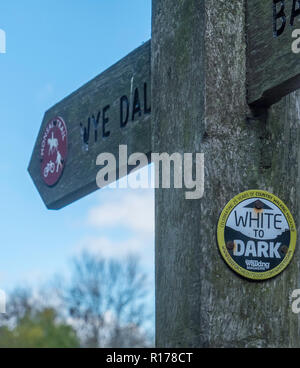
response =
{"points": [[106, 299], [39, 330]]}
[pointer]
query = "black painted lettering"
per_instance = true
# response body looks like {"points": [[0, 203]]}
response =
{"points": [[147, 109], [124, 105], [96, 123], [277, 222], [295, 11], [105, 120], [85, 132], [241, 219], [278, 15], [269, 215], [136, 104], [254, 219]]}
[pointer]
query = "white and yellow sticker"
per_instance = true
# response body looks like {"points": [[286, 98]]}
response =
{"points": [[256, 235]]}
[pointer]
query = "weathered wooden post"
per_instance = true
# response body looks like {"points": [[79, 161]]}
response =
{"points": [[199, 104]]}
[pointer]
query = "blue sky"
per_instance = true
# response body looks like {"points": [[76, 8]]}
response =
{"points": [[54, 47]]}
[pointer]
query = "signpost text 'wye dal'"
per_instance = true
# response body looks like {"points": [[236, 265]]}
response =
{"points": [[111, 110]]}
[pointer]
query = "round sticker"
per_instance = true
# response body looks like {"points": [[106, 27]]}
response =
{"points": [[256, 235], [54, 148]]}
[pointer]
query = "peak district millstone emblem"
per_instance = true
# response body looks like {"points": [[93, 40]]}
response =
{"points": [[256, 235], [54, 147]]}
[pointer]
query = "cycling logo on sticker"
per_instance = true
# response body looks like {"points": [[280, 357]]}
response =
{"points": [[256, 235], [54, 149]]}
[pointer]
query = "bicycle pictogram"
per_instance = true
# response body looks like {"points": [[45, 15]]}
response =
{"points": [[50, 167]]}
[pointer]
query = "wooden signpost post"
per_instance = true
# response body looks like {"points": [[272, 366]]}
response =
{"points": [[203, 79]]}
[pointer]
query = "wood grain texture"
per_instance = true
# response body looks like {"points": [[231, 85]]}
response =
{"points": [[200, 105], [79, 176], [273, 70]]}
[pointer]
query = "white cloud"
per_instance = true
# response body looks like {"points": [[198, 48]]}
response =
{"points": [[117, 249], [134, 211], [129, 214]]}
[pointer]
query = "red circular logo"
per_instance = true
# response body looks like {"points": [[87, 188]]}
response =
{"points": [[54, 148]]}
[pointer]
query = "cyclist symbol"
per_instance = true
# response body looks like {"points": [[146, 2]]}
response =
{"points": [[50, 167]]}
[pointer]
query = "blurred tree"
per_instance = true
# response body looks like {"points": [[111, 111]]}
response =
{"points": [[106, 304], [107, 300], [38, 329]]}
